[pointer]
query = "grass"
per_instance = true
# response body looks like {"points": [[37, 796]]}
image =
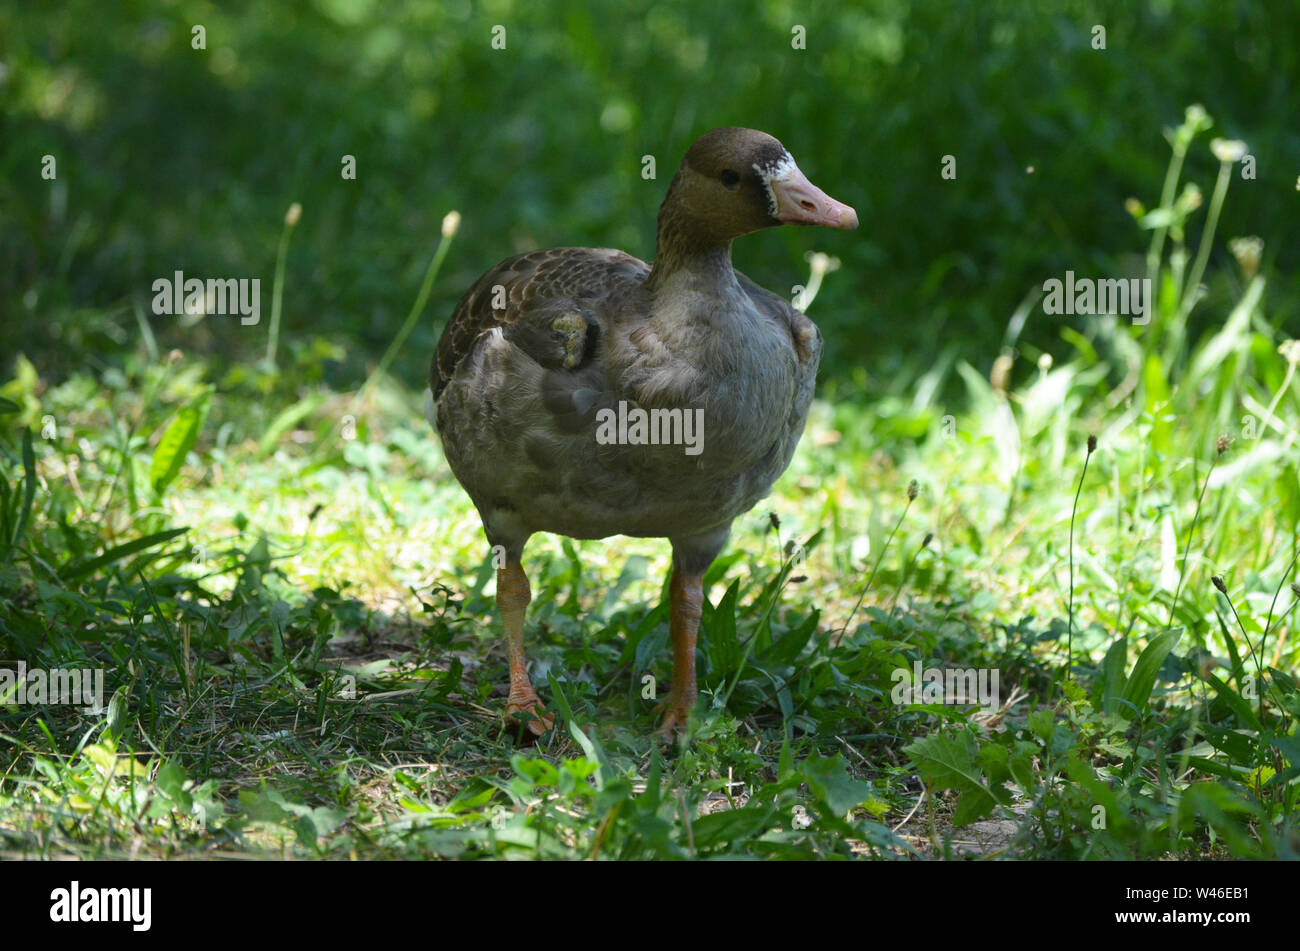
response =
{"points": [[291, 601]]}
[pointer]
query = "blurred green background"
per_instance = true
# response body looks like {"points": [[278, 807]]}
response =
{"points": [[174, 158]]}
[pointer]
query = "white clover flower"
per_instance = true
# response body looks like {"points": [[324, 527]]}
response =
{"points": [[1228, 150], [821, 263], [1247, 252]]}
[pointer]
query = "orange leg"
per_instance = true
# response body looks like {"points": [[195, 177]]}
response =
{"points": [[513, 596], [686, 595]]}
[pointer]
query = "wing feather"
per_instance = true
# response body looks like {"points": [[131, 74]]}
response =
{"points": [[544, 302]]}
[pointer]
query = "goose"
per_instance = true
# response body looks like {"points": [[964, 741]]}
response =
{"points": [[583, 392]]}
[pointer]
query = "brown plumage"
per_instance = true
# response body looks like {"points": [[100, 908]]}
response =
{"points": [[548, 347]]}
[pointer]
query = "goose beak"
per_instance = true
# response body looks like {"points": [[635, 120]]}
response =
{"points": [[800, 202]]}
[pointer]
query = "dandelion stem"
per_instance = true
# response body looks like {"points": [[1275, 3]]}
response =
{"points": [[1182, 572], [1273, 604], [1207, 240], [1172, 174], [1069, 630], [1259, 671], [1281, 641], [277, 292], [907, 571], [430, 274], [911, 495]]}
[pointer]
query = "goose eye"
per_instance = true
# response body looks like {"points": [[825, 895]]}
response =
{"points": [[730, 179]]}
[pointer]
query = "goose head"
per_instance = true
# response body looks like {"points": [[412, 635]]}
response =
{"points": [[735, 181]]}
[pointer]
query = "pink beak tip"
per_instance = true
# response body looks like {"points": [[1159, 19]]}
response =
{"points": [[800, 202]]}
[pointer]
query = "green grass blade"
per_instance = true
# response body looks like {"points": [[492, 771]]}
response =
{"points": [[29, 494], [1138, 689], [181, 435], [81, 569]]}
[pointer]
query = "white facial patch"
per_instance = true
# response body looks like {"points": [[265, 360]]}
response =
{"points": [[779, 171]]}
